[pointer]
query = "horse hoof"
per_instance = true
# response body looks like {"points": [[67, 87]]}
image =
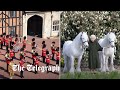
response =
{"points": [[103, 70], [113, 69], [71, 71], [65, 70], [78, 70], [107, 70]]}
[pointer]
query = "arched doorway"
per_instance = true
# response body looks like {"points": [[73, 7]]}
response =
{"points": [[34, 26]]}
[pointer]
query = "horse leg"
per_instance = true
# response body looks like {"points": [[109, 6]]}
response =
{"points": [[112, 63], [106, 63], [65, 64], [103, 69], [69, 64], [72, 64], [79, 63]]}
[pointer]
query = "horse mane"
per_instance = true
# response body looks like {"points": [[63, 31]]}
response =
{"points": [[78, 36], [104, 42], [75, 40]]}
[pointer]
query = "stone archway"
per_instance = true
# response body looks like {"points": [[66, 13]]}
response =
{"points": [[35, 26]]}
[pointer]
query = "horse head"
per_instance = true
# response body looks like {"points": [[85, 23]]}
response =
{"points": [[111, 39], [84, 38]]}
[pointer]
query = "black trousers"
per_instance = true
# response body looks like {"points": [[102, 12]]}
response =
{"points": [[24, 46], [53, 56], [10, 43], [47, 64], [12, 58], [33, 61], [57, 62], [36, 70], [1, 45], [44, 59], [7, 47], [21, 74]]}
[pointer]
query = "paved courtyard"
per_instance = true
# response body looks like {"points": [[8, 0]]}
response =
{"points": [[28, 74]]}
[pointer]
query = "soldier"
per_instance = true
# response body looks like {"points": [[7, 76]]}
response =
{"points": [[11, 53], [57, 56], [53, 50], [22, 53], [1, 41], [47, 61], [43, 44], [7, 42], [24, 42], [4, 35], [36, 61], [44, 53], [33, 54], [10, 39], [22, 61], [33, 40]]}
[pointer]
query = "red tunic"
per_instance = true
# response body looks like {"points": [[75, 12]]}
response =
{"points": [[6, 42], [22, 54], [53, 49], [1, 40], [8, 61], [36, 61], [43, 52], [11, 53], [21, 63], [48, 60], [33, 56], [57, 56]]}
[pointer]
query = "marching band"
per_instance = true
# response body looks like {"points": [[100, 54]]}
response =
{"points": [[12, 47]]}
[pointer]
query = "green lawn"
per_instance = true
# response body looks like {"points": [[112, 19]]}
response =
{"points": [[90, 75]]}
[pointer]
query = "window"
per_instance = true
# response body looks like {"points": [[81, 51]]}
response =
{"points": [[12, 30], [56, 25], [12, 13]]}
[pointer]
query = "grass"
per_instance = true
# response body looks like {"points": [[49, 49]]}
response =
{"points": [[90, 75]]}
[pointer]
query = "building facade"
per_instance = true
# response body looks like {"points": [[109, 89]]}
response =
{"points": [[35, 23]]}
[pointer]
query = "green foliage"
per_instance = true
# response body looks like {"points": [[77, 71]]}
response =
{"points": [[97, 22]]}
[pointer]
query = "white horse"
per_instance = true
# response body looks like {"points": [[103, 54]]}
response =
{"points": [[108, 44], [74, 49]]}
